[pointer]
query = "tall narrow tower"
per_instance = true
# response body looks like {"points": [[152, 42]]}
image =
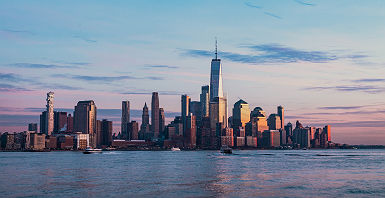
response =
{"points": [[216, 89], [155, 114], [280, 112], [125, 117], [49, 118]]}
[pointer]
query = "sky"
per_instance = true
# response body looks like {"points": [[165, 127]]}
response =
{"points": [[322, 60]]}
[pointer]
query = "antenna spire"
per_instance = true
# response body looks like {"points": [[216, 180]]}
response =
{"points": [[216, 49]]}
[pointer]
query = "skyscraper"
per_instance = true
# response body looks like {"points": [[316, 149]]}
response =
{"points": [[145, 126], [155, 114], [185, 104], [241, 114], [162, 120], [125, 118], [280, 112], [216, 89], [85, 119], [132, 129], [106, 132], [205, 101], [60, 122], [274, 122], [49, 116]]}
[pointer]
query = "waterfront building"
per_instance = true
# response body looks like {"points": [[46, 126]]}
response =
{"points": [[106, 133], [51, 142], [81, 141], [185, 111], [155, 115], [37, 141], [227, 137], [85, 119], [125, 118], [190, 132], [32, 127], [133, 130], [65, 142], [271, 138], [281, 115], [252, 141], [205, 101]]}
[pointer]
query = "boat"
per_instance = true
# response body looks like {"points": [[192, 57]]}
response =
{"points": [[175, 149], [226, 149], [90, 150]]}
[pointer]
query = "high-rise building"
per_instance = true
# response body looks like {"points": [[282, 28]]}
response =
{"points": [[327, 131], [43, 121], [216, 89], [185, 104], [205, 101], [162, 120], [271, 138], [32, 127], [85, 119], [218, 112], [195, 109], [274, 122], [70, 123], [241, 114], [106, 133], [155, 114], [60, 122], [49, 116], [133, 129], [190, 133], [98, 133], [145, 126], [125, 118], [280, 112]]}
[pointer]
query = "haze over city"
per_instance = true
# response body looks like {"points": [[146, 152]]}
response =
{"points": [[318, 59]]}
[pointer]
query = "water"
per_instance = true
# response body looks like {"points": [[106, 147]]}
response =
{"points": [[275, 173]]}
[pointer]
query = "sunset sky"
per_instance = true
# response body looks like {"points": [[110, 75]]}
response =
{"points": [[322, 60]]}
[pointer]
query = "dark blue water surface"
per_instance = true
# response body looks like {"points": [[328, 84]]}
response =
{"points": [[253, 173]]}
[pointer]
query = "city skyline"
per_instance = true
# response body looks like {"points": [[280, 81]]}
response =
{"points": [[336, 80]]}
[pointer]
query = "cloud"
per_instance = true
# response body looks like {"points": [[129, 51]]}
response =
{"points": [[369, 80], [368, 123], [86, 39], [41, 66], [351, 88], [252, 6], [261, 8], [161, 66], [169, 93], [274, 53], [16, 31], [11, 88], [105, 78], [272, 15], [9, 77], [304, 3], [341, 107]]}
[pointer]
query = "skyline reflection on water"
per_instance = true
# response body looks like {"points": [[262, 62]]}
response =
{"points": [[262, 173]]}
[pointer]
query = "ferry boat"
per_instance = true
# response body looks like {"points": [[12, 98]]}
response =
{"points": [[226, 149], [175, 149], [90, 150]]}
